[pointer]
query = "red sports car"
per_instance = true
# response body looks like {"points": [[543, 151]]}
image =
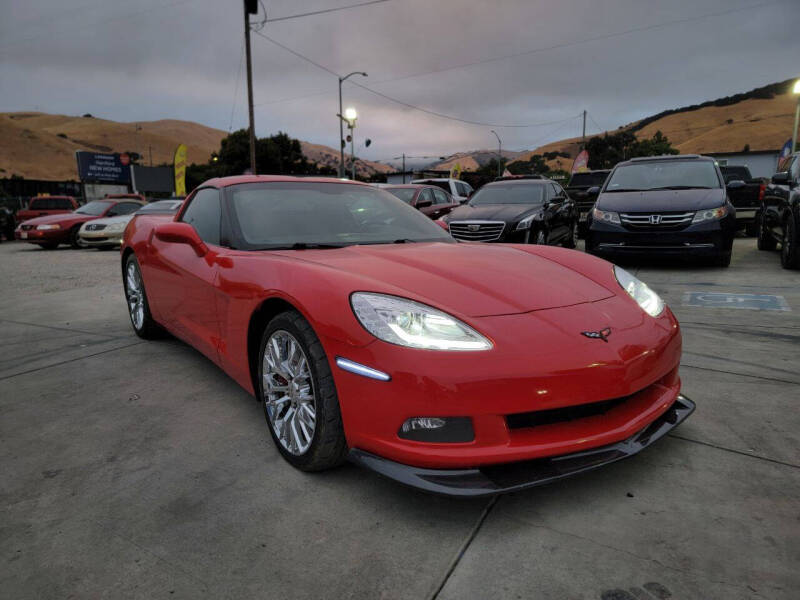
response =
{"points": [[369, 334]]}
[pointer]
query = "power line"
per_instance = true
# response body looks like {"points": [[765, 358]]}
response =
{"points": [[324, 11], [583, 41], [407, 104], [599, 129]]}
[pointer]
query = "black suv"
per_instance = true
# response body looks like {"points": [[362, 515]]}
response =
{"points": [[779, 216], [583, 188], [667, 205], [524, 210]]}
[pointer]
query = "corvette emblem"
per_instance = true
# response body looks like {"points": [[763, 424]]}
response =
{"points": [[598, 335]]}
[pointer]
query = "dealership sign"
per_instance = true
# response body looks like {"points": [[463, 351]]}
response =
{"points": [[95, 166]]}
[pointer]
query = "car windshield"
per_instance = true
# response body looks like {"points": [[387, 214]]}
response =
{"points": [[664, 174], [405, 194], [735, 173], [98, 207], [587, 179], [305, 214], [512, 193], [162, 206]]}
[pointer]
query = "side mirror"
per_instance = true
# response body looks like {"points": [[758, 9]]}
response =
{"points": [[736, 184], [781, 178], [181, 233], [595, 189], [423, 203]]}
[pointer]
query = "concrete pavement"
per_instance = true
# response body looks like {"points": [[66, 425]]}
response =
{"points": [[138, 469]]}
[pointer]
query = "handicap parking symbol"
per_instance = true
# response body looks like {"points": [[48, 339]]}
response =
{"points": [[725, 300]]}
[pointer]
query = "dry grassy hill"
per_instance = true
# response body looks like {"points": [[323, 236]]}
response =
{"points": [[42, 146]]}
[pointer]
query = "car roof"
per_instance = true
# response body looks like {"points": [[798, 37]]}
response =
{"points": [[221, 182], [520, 182], [413, 186], [666, 158]]}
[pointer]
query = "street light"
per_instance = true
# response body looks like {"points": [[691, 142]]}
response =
{"points": [[341, 131], [499, 154], [350, 115], [796, 92]]}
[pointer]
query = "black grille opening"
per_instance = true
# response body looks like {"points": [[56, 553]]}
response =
{"points": [[537, 418]]}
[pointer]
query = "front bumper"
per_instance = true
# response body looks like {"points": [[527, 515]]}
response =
{"points": [[703, 239], [499, 479], [101, 238], [47, 236]]}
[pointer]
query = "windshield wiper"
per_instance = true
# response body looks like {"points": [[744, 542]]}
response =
{"points": [[304, 246], [625, 190], [404, 241]]}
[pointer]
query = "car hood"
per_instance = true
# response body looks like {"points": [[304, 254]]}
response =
{"points": [[69, 217], [661, 200], [493, 212], [469, 279], [112, 220]]}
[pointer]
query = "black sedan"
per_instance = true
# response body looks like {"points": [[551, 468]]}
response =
{"points": [[779, 215], [665, 205], [517, 211]]}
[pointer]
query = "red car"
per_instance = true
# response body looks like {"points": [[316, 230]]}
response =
{"points": [[47, 205], [50, 231], [366, 332], [432, 201]]}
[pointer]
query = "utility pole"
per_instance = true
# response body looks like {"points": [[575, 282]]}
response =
{"points": [[499, 154], [250, 7], [341, 126], [353, 150], [404, 167], [583, 136]]}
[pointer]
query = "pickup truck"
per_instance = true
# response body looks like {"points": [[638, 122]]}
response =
{"points": [[583, 188], [746, 195], [47, 205]]}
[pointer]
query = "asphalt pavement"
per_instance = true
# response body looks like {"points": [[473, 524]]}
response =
{"points": [[135, 469]]}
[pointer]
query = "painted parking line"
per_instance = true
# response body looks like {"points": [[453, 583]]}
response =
{"points": [[725, 300]]}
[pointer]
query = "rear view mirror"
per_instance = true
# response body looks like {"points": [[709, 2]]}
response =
{"points": [[781, 178], [181, 233], [593, 190], [736, 184]]}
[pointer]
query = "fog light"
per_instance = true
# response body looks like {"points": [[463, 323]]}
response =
{"points": [[437, 429], [422, 423]]}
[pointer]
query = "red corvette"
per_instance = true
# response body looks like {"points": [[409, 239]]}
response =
{"points": [[369, 334]]}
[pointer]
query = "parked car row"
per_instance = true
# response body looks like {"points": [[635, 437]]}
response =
{"points": [[99, 223]]}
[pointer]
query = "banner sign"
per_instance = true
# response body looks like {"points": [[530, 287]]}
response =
{"points": [[581, 162], [94, 166], [179, 164]]}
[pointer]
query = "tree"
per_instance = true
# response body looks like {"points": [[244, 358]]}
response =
{"points": [[607, 151]]}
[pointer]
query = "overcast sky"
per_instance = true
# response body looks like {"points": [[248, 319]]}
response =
{"points": [[153, 59]]}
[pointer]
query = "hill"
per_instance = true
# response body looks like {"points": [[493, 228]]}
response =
{"points": [[41, 146], [761, 119]]}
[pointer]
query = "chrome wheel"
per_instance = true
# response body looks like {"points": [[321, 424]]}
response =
{"points": [[134, 290], [289, 392], [541, 238]]}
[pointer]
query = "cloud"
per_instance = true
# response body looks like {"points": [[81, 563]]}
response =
{"points": [[180, 59]]}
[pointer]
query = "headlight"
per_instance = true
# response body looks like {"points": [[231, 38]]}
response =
{"points": [[47, 227], [605, 216], [115, 227], [650, 302], [408, 323], [526, 222], [710, 215]]}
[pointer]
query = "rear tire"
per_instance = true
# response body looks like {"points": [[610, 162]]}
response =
{"points": [[723, 260], [138, 307], [751, 229], [764, 241], [790, 249], [572, 236], [293, 366]]}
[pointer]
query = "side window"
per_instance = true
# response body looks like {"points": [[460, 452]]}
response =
{"points": [[425, 196], [37, 204], [462, 189], [204, 214], [440, 197], [63, 204], [559, 190]]}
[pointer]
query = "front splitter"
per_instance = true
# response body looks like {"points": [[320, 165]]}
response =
{"points": [[512, 477]]}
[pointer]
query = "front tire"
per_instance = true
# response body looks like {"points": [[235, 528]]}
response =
{"points": [[764, 240], [75, 240], [299, 396], [790, 248], [138, 308], [572, 237], [723, 260], [541, 238]]}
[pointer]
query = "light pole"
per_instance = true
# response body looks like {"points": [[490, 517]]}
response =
{"points": [[350, 115], [499, 154], [796, 92], [341, 130]]}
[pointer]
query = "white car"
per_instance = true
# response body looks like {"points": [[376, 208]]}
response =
{"points": [[107, 233], [459, 190]]}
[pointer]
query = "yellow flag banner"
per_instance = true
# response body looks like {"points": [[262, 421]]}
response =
{"points": [[179, 163]]}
